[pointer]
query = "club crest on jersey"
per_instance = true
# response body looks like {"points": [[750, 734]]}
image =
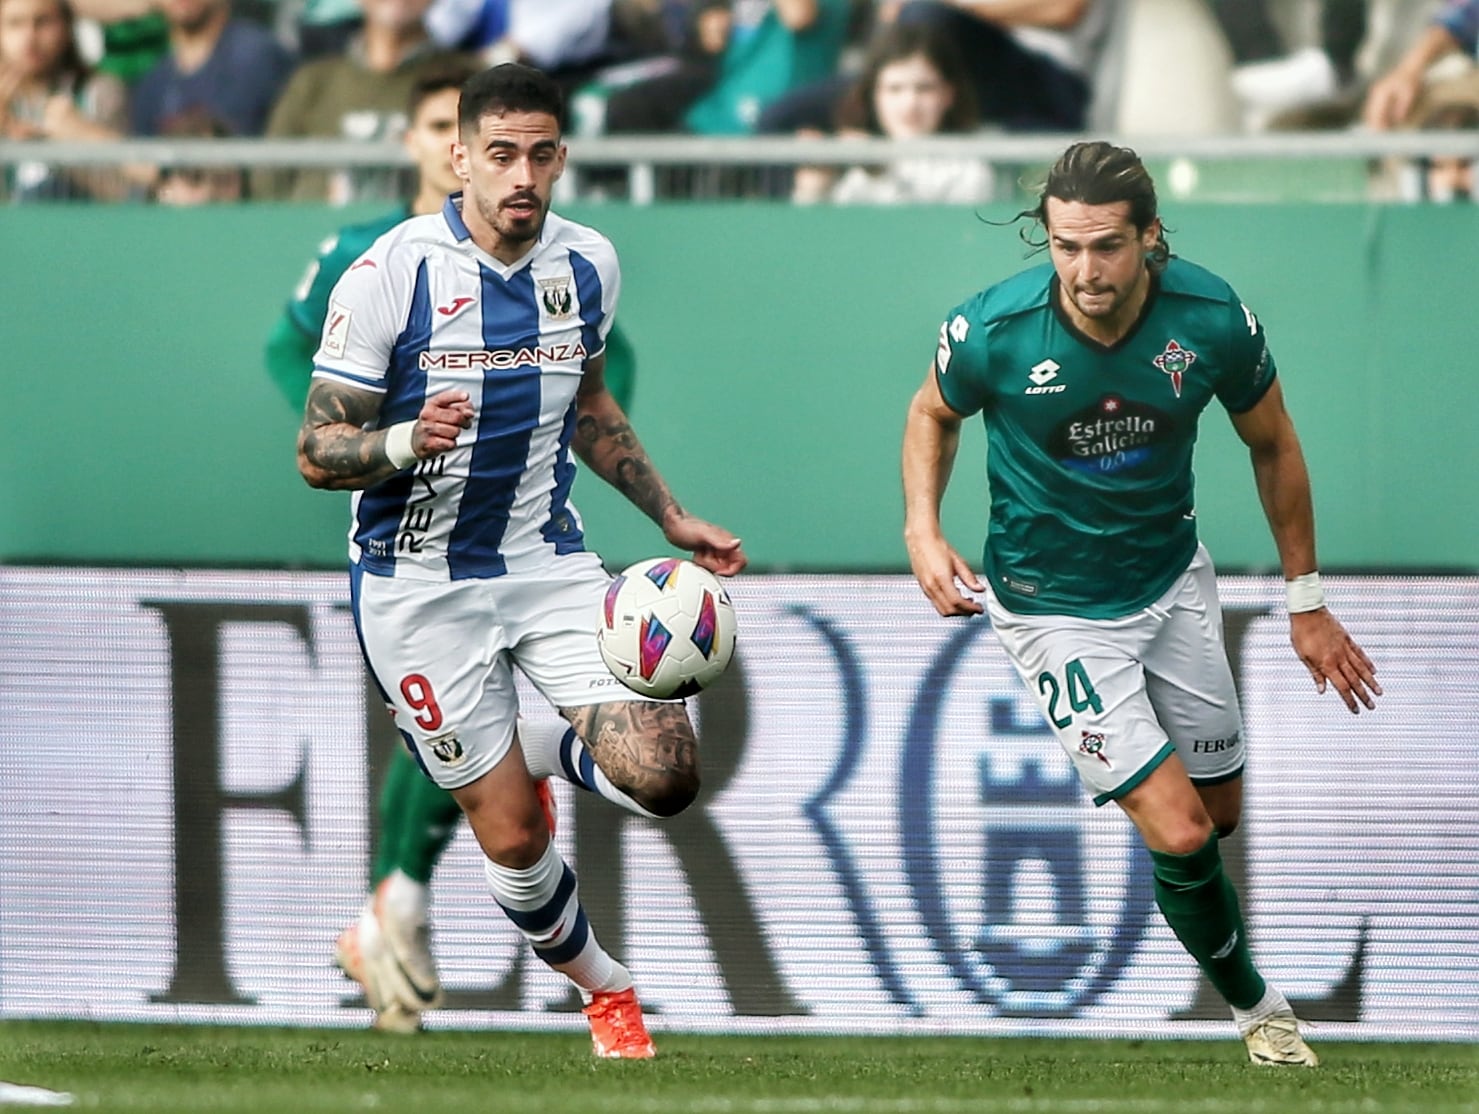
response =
{"points": [[1174, 361], [555, 294]]}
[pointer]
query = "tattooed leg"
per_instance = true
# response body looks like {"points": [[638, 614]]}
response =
{"points": [[647, 750]]}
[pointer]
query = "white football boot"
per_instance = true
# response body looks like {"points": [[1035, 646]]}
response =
{"points": [[1276, 1040], [387, 951]]}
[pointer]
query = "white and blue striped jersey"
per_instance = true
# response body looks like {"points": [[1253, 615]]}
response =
{"points": [[426, 310]]}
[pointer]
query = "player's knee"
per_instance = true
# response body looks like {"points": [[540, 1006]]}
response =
{"points": [[513, 841], [518, 850], [1187, 838], [670, 794]]}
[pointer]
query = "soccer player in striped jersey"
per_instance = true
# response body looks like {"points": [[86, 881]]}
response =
{"points": [[461, 363], [1091, 374], [387, 947]]}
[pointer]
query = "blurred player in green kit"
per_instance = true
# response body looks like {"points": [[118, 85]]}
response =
{"points": [[1091, 373], [387, 949]]}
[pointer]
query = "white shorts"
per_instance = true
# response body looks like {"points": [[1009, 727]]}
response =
{"points": [[443, 653], [1123, 694]]}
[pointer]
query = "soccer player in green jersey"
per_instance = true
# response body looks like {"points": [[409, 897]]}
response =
{"points": [[1091, 373], [416, 818]]}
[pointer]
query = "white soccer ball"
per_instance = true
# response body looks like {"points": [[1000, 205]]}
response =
{"points": [[667, 628]]}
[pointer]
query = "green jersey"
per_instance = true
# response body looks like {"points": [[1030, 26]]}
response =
{"points": [[293, 342], [1090, 446]]}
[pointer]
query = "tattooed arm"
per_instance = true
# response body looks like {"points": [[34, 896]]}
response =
{"points": [[338, 448], [605, 441]]}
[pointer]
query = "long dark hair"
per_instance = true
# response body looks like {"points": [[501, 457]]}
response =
{"points": [[1099, 173], [896, 43], [69, 63]]}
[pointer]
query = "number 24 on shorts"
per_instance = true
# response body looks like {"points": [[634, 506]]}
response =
{"points": [[1081, 694]]}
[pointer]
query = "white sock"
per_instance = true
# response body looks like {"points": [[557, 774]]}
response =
{"points": [[543, 903], [1272, 1002], [553, 749], [404, 898]]}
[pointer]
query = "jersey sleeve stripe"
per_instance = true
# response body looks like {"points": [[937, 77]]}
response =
{"points": [[321, 372]]}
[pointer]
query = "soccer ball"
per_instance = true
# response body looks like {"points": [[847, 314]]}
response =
{"points": [[667, 628]]}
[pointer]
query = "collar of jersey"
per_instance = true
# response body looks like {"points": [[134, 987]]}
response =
{"points": [[452, 213], [1151, 296]]}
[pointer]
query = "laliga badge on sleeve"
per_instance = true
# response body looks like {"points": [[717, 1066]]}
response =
{"points": [[336, 332]]}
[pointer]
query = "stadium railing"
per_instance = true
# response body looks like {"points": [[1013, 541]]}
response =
{"points": [[1288, 166]]}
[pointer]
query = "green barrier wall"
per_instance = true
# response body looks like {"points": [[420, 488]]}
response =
{"points": [[777, 350]]}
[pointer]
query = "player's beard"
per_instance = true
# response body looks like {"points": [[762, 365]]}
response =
{"points": [[1102, 308], [1115, 305], [513, 230]]}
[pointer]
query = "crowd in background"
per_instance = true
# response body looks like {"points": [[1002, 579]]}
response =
{"points": [[81, 70]]}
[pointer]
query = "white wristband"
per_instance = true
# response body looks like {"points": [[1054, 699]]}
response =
{"points": [[398, 448], [1304, 593]]}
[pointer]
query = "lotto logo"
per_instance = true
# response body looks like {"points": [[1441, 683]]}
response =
{"points": [[1041, 375]]}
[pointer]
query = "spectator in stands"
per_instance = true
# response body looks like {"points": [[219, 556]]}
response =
{"points": [[913, 84], [318, 28], [228, 68], [1028, 62], [135, 35], [770, 48], [202, 185], [1396, 98], [46, 92], [1270, 80], [360, 94], [1444, 178], [566, 39], [1024, 80], [653, 98]]}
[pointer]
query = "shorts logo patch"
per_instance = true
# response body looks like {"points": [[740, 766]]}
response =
{"points": [[1216, 746], [1092, 742], [448, 750]]}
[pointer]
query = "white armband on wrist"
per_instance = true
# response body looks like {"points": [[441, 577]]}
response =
{"points": [[1304, 593], [398, 448]]}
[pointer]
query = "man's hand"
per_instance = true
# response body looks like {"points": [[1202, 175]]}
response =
{"points": [[941, 571], [1390, 100], [444, 416], [1331, 655], [713, 547]]}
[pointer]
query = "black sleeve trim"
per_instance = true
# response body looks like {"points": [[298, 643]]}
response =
{"points": [[1272, 379], [938, 377]]}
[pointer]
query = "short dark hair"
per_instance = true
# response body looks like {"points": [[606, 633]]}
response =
{"points": [[453, 75], [510, 87], [1099, 173]]}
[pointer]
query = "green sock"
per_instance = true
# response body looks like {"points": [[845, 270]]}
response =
{"points": [[417, 821], [1201, 906]]}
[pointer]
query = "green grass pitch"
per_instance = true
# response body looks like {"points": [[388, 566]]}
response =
{"points": [[288, 1071]]}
